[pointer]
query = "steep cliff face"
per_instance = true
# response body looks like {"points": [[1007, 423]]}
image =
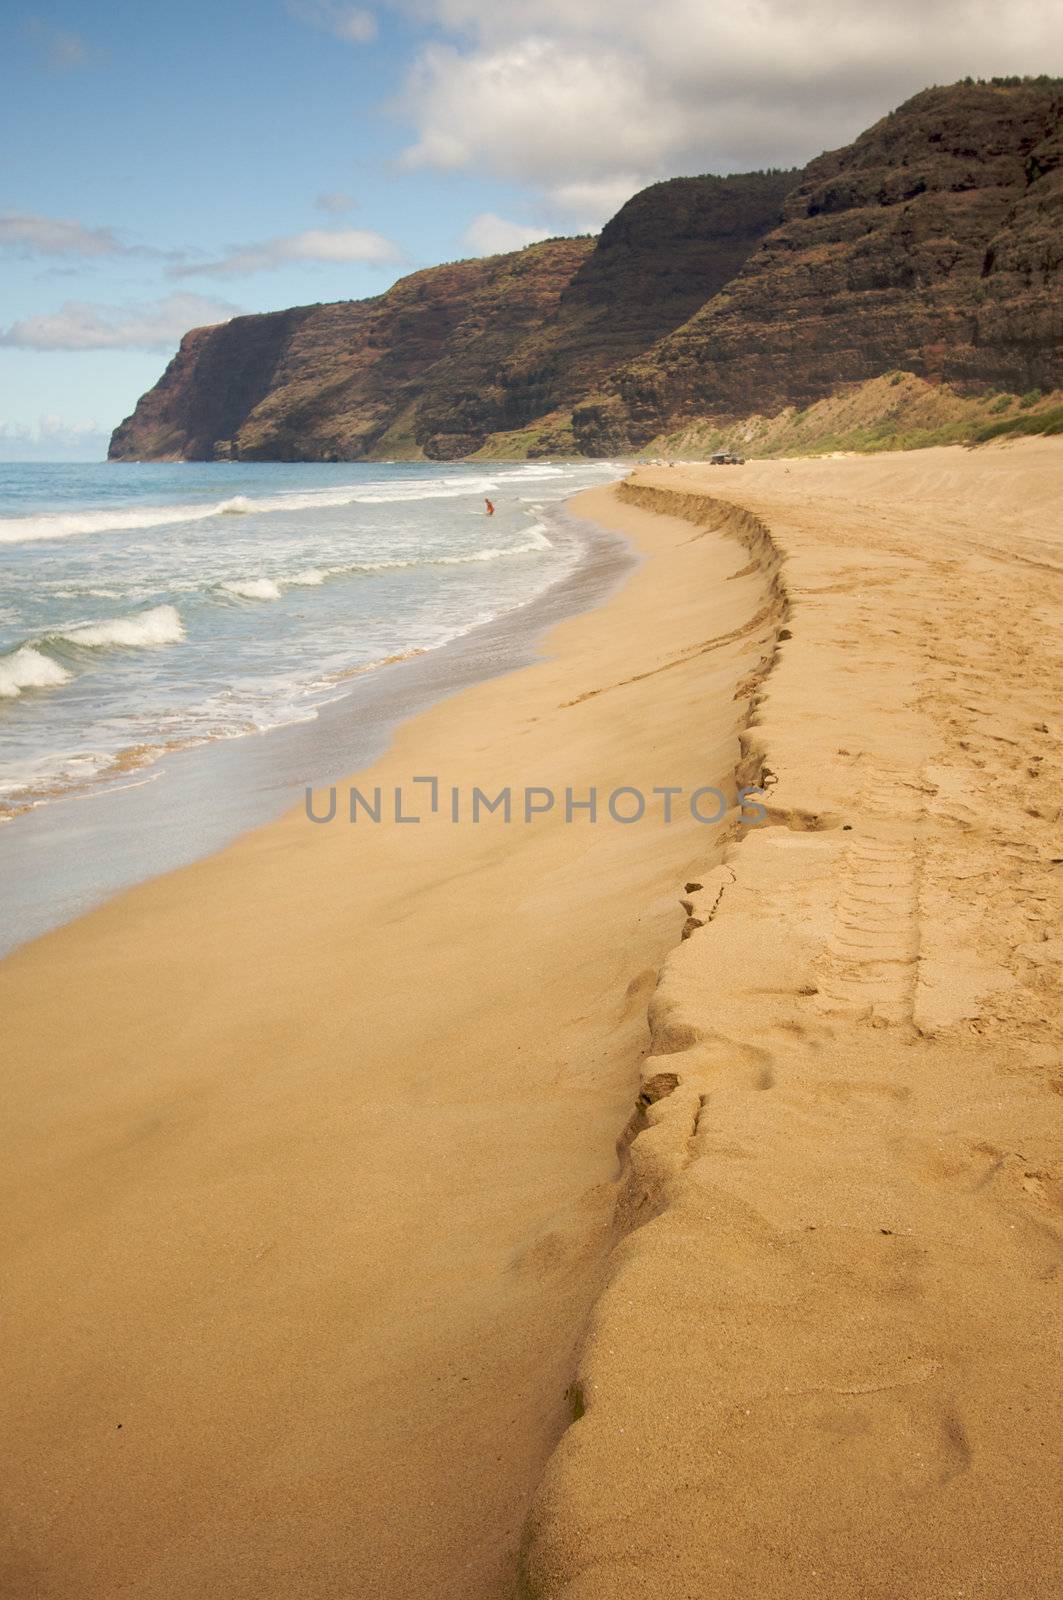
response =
{"points": [[456, 353], [414, 370], [666, 252], [932, 243], [216, 379]]}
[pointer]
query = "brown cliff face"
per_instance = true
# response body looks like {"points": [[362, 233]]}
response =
{"points": [[932, 244], [214, 381], [414, 370], [456, 353], [666, 252]]}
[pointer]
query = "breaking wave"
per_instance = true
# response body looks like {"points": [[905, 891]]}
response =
{"points": [[30, 667], [253, 588], [161, 625], [314, 577], [69, 524], [27, 668]]}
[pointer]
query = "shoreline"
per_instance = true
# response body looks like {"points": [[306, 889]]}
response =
{"points": [[333, 1120], [204, 795]]}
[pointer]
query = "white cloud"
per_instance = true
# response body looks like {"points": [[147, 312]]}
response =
{"points": [[53, 439], [489, 234], [535, 110], [564, 95], [137, 325], [336, 202], [600, 198], [28, 233], [352, 23], [316, 245]]}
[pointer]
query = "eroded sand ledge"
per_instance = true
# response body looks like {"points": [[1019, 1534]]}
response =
{"points": [[826, 1359]]}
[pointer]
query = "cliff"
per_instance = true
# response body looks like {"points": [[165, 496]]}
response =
{"points": [[931, 245], [415, 370], [454, 354]]}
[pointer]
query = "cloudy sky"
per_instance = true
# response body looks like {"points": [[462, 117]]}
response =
{"points": [[165, 166]]}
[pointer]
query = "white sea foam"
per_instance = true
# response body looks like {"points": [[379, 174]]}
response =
{"points": [[70, 524], [313, 577], [160, 625], [27, 668], [253, 588], [537, 540], [91, 594], [227, 580]]}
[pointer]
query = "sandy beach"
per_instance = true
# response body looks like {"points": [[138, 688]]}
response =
{"points": [[413, 1211], [311, 1150]]}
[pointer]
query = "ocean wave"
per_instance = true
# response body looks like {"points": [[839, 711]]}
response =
{"points": [[253, 588], [313, 577], [160, 625], [70, 524], [28, 668], [536, 540]]}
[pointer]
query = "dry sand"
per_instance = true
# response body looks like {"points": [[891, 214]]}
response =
{"points": [[827, 1360], [310, 1157]]}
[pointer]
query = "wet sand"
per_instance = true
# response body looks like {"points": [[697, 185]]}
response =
{"points": [[60, 859]]}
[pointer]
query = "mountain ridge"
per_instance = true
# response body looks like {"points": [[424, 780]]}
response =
{"points": [[931, 244]]}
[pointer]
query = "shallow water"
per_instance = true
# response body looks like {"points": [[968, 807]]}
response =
{"points": [[147, 607], [117, 805]]}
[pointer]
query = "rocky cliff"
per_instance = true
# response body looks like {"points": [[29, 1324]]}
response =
{"points": [[412, 371], [454, 354], [931, 244]]}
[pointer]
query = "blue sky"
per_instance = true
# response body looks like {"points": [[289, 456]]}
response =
{"points": [[166, 165]]}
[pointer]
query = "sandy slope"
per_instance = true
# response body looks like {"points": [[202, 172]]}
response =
{"points": [[308, 1152], [827, 1359]]}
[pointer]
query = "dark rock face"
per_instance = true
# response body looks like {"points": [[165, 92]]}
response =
{"points": [[666, 252], [214, 381], [931, 243], [455, 353], [414, 370]]}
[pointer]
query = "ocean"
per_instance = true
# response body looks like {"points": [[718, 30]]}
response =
{"points": [[147, 607], [150, 611]]}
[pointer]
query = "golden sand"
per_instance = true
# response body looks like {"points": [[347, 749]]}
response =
{"points": [[826, 1361], [310, 1154], [310, 1149]]}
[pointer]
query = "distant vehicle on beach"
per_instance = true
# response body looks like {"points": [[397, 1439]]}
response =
{"points": [[724, 458]]}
